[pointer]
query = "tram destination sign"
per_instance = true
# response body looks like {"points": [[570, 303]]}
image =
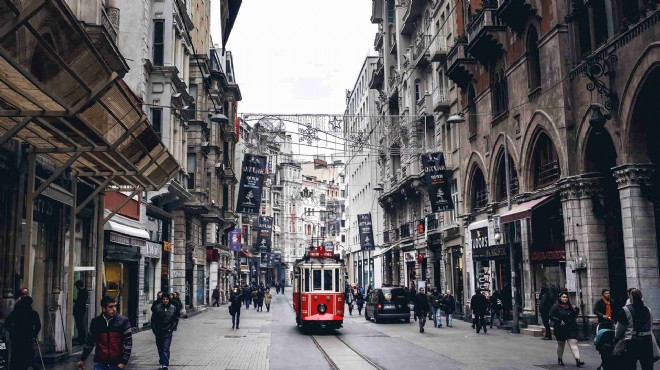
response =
{"points": [[366, 232], [435, 177], [253, 172]]}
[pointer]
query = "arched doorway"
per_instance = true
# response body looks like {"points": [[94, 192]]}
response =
{"points": [[642, 144], [600, 157]]}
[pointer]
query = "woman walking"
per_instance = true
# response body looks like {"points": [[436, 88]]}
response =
{"points": [[350, 300], [359, 300], [564, 316], [634, 327], [268, 299]]}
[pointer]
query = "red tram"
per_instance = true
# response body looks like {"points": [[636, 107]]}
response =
{"points": [[318, 289]]}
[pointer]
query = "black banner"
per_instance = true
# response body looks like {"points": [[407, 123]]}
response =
{"points": [[435, 177], [252, 180], [366, 232], [264, 236], [277, 258]]}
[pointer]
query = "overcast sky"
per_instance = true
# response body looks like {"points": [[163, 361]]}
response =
{"points": [[298, 56]]}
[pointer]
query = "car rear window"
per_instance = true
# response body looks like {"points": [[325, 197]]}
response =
{"points": [[393, 294]]}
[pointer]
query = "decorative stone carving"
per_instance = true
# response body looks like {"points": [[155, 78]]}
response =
{"points": [[633, 175], [578, 187]]}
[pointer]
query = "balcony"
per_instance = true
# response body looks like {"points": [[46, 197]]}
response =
{"points": [[440, 100], [378, 41], [229, 131], [424, 105], [386, 237], [404, 230], [487, 36], [393, 44], [378, 76], [460, 67], [413, 12], [514, 13], [438, 49], [432, 223], [420, 52]]}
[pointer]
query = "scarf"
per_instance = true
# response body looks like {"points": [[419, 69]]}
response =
{"points": [[608, 307]]}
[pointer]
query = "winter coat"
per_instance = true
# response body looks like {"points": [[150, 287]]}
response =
{"points": [[568, 316], [421, 304], [80, 303], [359, 300], [268, 298], [436, 300], [546, 303], [449, 304], [163, 320], [600, 308], [112, 338], [23, 323], [236, 300], [479, 304], [216, 294]]}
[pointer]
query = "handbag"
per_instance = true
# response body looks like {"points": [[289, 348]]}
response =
{"points": [[231, 310], [620, 347]]}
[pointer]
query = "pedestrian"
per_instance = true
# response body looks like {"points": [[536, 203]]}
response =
{"points": [[23, 325], [268, 299], [479, 307], [255, 299], [247, 296], [163, 322], [359, 301], [421, 308], [628, 301], [411, 295], [178, 305], [448, 304], [436, 303], [156, 301], [634, 328], [495, 303], [282, 286], [260, 299], [604, 307], [111, 335], [547, 301], [350, 301], [277, 287], [564, 315], [235, 303], [79, 311], [215, 296], [368, 290]]}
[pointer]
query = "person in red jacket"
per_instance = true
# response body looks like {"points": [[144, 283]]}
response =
{"points": [[111, 334]]}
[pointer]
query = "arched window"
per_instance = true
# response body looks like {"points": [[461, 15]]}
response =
{"points": [[478, 191], [501, 178], [533, 60], [499, 93], [546, 163], [472, 112]]}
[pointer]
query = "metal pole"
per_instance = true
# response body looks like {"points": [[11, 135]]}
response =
{"points": [[29, 219], [514, 304], [72, 251], [100, 239]]}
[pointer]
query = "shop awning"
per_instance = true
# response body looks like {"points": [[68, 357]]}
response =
{"points": [[383, 251], [524, 210], [63, 98], [126, 230]]}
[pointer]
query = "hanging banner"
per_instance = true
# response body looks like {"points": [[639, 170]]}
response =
{"points": [[235, 240], [264, 236], [366, 232], [252, 180], [435, 177], [277, 258]]}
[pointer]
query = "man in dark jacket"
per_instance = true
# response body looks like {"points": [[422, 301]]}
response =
{"points": [[449, 303], [111, 334], [235, 302], [216, 297], [79, 310], [436, 306], [604, 307], [421, 308], [547, 301], [23, 325], [479, 306], [163, 323], [156, 301]]}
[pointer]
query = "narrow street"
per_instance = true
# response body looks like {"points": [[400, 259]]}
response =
{"points": [[272, 341]]}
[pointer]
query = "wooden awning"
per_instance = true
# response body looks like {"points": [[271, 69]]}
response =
{"points": [[58, 93]]}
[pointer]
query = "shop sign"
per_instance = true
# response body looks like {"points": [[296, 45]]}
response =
{"points": [[252, 180], [151, 250], [409, 257], [548, 256], [491, 252], [167, 246], [479, 238]]}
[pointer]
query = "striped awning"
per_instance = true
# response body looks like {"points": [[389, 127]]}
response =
{"points": [[59, 94]]}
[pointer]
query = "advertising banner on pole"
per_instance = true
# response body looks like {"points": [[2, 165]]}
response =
{"points": [[253, 172], [264, 236], [235, 240], [366, 232], [435, 177]]}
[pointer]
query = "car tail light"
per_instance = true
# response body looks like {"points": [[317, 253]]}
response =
{"points": [[380, 307]]}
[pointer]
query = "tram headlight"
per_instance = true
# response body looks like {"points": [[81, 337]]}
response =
{"points": [[322, 308]]}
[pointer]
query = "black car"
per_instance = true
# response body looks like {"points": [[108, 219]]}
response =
{"points": [[387, 303]]}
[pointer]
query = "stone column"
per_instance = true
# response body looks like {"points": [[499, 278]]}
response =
{"points": [[585, 236], [178, 267], [639, 233]]}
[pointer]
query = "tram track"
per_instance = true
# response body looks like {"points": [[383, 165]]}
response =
{"points": [[331, 361]]}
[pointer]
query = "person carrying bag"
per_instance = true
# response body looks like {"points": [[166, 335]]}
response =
{"points": [[634, 340]]}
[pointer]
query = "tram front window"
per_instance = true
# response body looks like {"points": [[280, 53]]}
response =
{"points": [[327, 280], [316, 279]]}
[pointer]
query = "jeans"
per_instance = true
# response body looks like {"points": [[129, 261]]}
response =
{"points": [[163, 344], [105, 367], [247, 303], [448, 319], [437, 317], [422, 320], [236, 318]]}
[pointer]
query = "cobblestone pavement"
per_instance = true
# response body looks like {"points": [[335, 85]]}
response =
{"points": [[270, 340]]}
